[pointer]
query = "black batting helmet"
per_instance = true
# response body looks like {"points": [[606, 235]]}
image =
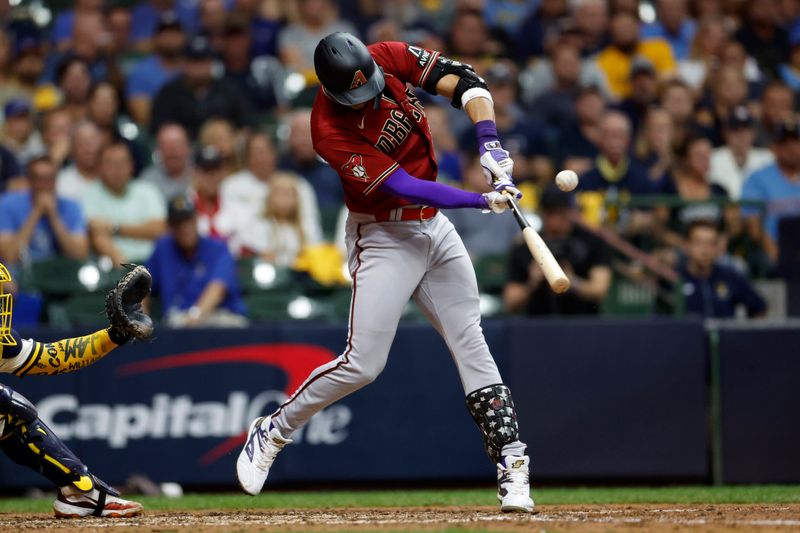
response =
{"points": [[346, 69]]}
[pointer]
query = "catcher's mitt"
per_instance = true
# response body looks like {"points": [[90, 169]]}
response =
{"points": [[124, 304]]}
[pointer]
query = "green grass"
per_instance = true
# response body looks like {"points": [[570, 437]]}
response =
{"points": [[465, 497]]}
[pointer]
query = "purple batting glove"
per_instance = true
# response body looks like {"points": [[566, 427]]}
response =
{"points": [[496, 163]]}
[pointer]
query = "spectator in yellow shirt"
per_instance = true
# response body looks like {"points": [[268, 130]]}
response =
{"points": [[615, 59]]}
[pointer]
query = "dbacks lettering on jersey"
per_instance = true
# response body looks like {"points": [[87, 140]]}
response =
{"points": [[355, 167], [396, 128]]}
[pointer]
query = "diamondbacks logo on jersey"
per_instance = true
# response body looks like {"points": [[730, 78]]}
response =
{"points": [[358, 80], [421, 54], [355, 167]]}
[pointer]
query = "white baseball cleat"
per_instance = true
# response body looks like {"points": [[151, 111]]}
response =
{"points": [[71, 503], [513, 484], [258, 454]]}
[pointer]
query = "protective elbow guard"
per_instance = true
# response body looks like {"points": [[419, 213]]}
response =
{"points": [[492, 409], [467, 78]]}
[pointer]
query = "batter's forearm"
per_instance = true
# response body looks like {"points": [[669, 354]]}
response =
{"points": [[68, 355], [403, 185]]}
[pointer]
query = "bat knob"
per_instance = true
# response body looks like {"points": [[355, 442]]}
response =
{"points": [[561, 285]]}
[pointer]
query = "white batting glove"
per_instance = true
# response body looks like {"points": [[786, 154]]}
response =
{"points": [[496, 201], [497, 168]]}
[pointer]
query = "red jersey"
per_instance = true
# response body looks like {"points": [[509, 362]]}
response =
{"points": [[366, 146]]}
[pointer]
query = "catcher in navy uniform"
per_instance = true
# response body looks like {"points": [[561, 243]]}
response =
{"points": [[25, 438]]}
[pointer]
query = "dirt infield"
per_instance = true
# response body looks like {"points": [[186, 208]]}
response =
{"points": [[593, 518]]}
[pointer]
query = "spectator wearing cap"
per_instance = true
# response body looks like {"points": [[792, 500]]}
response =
{"points": [[777, 106], [171, 171], [27, 69], [196, 95], [84, 167], [520, 135], [245, 193], [584, 257], [297, 41], [732, 162], [194, 277], [674, 25], [20, 135], [301, 159], [146, 16], [260, 78], [615, 60], [125, 216], [644, 93], [152, 72], [710, 289], [37, 224], [207, 178], [778, 186]]}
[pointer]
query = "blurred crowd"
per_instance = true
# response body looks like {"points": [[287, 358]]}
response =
{"points": [[176, 133]]}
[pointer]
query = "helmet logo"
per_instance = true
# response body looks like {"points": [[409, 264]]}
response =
{"points": [[358, 80], [355, 167]]}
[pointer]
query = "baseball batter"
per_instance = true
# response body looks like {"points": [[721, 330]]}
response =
{"points": [[369, 127]]}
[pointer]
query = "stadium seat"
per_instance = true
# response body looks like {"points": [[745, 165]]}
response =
{"points": [[256, 274], [79, 310], [491, 271], [285, 305], [626, 298], [63, 277]]}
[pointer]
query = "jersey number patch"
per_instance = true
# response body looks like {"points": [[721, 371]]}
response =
{"points": [[355, 167]]}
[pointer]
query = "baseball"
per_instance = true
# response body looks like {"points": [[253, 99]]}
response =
{"points": [[567, 180]]}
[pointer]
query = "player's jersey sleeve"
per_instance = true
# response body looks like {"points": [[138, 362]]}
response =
{"points": [[18, 358], [362, 167], [411, 64]]}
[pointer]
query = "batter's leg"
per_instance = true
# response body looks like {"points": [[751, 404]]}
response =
{"points": [[385, 273], [448, 295], [386, 265]]}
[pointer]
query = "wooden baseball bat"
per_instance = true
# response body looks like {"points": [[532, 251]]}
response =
{"points": [[553, 273]]}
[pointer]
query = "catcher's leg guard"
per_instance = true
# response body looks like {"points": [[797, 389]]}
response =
{"points": [[493, 411], [15, 408], [36, 446]]}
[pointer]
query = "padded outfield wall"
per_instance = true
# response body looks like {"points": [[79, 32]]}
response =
{"points": [[597, 400]]}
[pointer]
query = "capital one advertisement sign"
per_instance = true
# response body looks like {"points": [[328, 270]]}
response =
{"points": [[177, 408]]}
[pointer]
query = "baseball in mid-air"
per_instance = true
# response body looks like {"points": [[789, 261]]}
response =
{"points": [[567, 180]]}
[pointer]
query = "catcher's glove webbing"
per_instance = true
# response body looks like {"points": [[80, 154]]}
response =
{"points": [[124, 306]]}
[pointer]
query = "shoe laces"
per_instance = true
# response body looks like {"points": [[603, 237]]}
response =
{"points": [[269, 448], [517, 481]]}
